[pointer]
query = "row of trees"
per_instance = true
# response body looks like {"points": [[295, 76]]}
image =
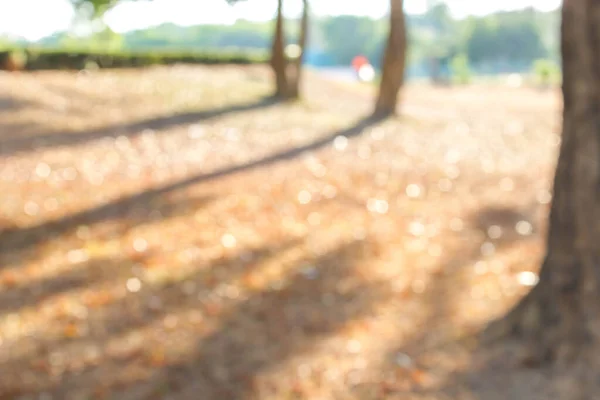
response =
{"points": [[502, 42], [287, 71], [554, 319]]}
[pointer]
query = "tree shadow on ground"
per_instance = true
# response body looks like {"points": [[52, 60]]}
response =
{"points": [[292, 317], [108, 317], [436, 340], [16, 241], [238, 339], [18, 128], [126, 212], [18, 295], [10, 144], [272, 326], [11, 104]]}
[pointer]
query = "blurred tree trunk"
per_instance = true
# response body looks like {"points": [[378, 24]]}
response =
{"points": [[394, 59], [278, 57], [296, 73], [553, 318]]}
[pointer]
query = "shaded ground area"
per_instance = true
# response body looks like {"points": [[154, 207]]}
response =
{"points": [[172, 232]]}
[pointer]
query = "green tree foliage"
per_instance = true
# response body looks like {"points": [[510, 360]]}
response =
{"points": [[508, 36], [98, 7], [440, 31], [104, 39], [366, 38], [461, 73], [94, 8], [546, 72], [515, 38], [243, 35]]}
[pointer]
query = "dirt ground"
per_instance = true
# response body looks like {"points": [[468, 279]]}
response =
{"points": [[171, 233]]}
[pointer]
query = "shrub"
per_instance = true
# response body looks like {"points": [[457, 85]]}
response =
{"points": [[546, 72], [43, 59], [459, 66], [13, 60]]}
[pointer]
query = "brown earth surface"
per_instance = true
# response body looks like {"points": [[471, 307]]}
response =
{"points": [[171, 233]]}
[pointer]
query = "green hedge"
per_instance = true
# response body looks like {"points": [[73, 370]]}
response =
{"points": [[42, 59]]}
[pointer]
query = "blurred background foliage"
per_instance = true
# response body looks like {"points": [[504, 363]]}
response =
{"points": [[499, 43]]}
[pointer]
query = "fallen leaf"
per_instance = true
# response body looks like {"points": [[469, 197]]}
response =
{"points": [[419, 376], [213, 309], [98, 299], [9, 280], [252, 281], [156, 357], [71, 330], [40, 365]]}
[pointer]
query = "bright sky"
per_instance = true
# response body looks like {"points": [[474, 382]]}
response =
{"points": [[35, 19]]}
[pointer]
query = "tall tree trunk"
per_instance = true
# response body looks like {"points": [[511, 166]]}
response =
{"points": [[278, 57], [295, 78], [393, 63], [553, 318]]}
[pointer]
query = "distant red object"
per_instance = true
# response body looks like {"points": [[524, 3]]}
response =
{"points": [[358, 62]]}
